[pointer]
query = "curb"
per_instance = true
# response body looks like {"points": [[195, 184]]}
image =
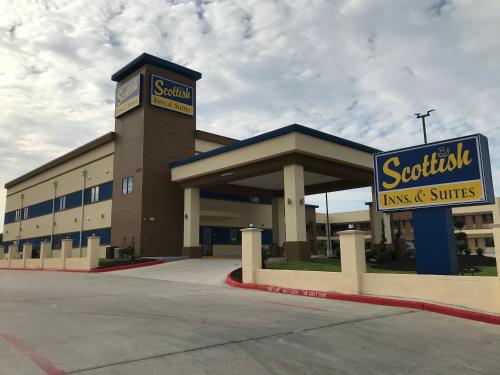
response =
{"points": [[418, 305]]}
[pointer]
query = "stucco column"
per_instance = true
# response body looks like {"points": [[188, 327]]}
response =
{"points": [[192, 246], [45, 247], [496, 238], [93, 245], [27, 252], [352, 258], [251, 253], [296, 246], [66, 250], [12, 253], [278, 212]]}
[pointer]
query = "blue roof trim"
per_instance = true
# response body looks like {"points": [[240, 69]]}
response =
{"points": [[146, 58], [311, 206], [273, 134]]}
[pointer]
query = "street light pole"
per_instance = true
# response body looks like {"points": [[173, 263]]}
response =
{"points": [[329, 252], [419, 115]]}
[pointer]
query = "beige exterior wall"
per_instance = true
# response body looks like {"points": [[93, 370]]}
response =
{"points": [[201, 145], [99, 166], [221, 213], [475, 227]]}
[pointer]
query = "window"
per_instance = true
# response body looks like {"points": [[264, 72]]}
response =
{"points": [[127, 185], [476, 244], [488, 242], [62, 203], [488, 218], [94, 194], [18, 215], [25, 213]]}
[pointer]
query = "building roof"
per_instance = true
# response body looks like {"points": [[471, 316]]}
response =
{"points": [[146, 58], [273, 134], [106, 138]]}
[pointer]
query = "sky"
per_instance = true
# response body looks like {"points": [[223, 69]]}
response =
{"points": [[357, 69]]}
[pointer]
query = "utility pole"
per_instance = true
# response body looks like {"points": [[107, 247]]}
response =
{"points": [[419, 115]]}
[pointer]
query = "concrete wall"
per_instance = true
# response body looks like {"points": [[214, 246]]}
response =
{"points": [[473, 292]]}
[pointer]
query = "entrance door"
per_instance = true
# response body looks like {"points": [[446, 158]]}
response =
{"points": [[206, 241]]}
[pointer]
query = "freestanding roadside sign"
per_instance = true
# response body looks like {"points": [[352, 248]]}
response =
{"points": [[429, 179]]}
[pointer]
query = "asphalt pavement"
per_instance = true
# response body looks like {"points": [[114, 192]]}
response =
{"points": [[124, 323]]}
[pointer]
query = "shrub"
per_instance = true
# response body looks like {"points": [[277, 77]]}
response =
{"points": [[480, 251], [266, 254], [467, 251], [383, 256], [129, 252]]}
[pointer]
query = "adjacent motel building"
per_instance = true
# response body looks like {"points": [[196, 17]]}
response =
{"points": [[159, 184]]}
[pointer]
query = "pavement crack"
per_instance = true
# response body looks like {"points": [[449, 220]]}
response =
{"points": [[240, 341]]}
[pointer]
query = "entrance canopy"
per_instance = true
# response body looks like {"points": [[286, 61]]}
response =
{"points": [[286, 163], [254, 167]]}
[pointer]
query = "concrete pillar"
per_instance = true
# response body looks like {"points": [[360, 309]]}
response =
{"points": [[296, 245], [27, 252], [191, 244], [45, 248], [496, 238], [352, 258], [12, 253], [66, 250], [278, 212], [251, 253], [93, 245]]}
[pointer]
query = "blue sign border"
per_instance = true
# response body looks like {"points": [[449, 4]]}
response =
{"points": [[484, 166]]}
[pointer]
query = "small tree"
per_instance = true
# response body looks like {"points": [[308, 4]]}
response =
{"points": [[383, 239], [460, 237]]}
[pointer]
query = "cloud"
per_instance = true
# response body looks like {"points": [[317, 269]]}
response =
{"points": [[358, 69]]}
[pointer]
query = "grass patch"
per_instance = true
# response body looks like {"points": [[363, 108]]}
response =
{"points": [[333, 265], [326, 265]]}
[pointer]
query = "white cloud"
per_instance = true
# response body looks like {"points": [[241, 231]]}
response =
{"points": [[357, 69]]}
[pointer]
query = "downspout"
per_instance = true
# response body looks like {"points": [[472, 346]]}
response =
{"points": [[84, 175], [53, 217]]}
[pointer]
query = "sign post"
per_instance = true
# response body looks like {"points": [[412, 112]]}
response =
{"points": [[429, 179]]}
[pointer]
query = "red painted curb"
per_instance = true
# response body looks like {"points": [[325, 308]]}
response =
{"points": [[418, 305], [127, 266]]}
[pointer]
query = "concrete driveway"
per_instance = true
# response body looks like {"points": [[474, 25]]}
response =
{"points": [[55, 322], [205, 271]]}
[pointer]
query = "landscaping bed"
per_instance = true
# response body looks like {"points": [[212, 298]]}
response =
{"points": [[107, 263], [487, 265]]}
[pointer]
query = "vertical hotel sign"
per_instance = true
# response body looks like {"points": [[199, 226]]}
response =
{"points": [[455, 172], [128, 95], [171, 95]]}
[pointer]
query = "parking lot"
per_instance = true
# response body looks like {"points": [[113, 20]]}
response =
{"points": [[55, 322]]}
